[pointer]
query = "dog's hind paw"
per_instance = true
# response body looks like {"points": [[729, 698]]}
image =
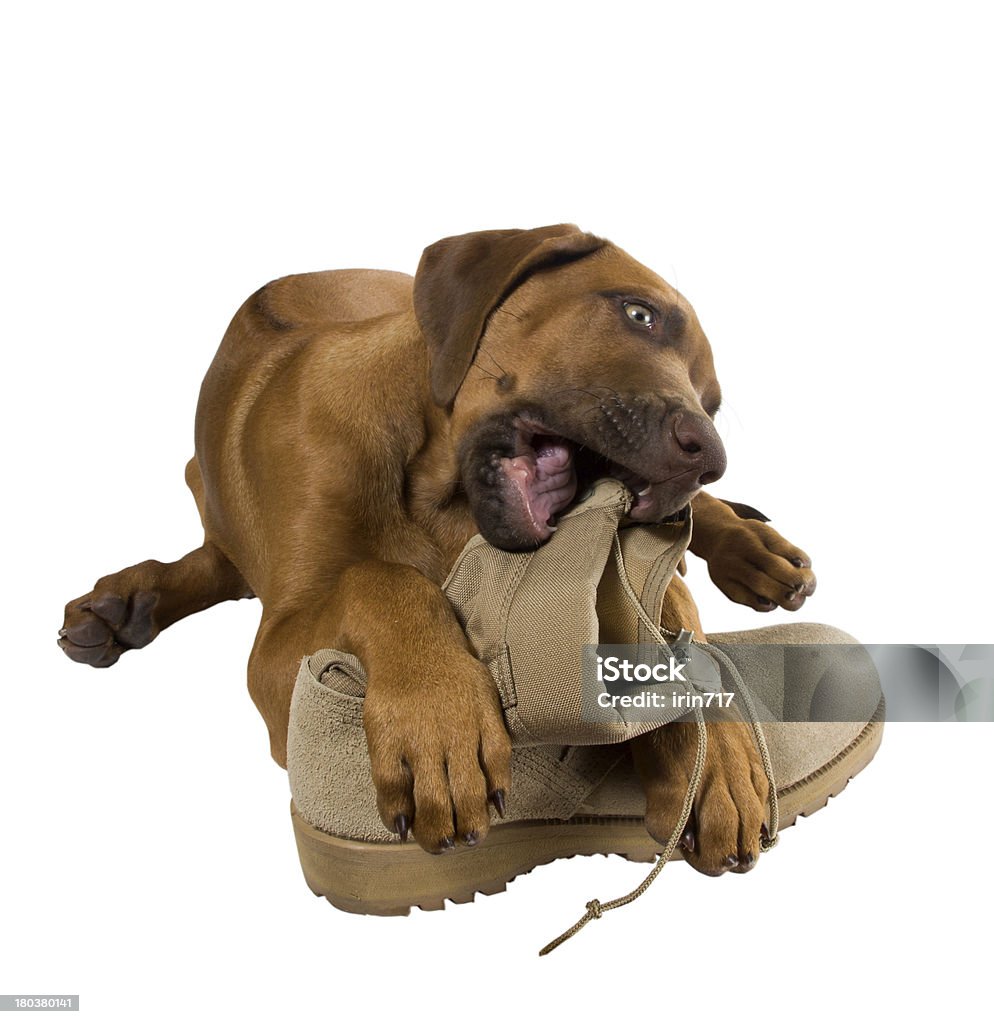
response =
{"points": [[101, 626], [726, 824]]}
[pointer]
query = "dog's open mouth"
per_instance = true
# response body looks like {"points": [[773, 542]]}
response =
{"points": [[547, 470], [543, 475]]}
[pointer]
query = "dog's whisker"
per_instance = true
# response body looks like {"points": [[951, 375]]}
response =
{"points": [[583, 391], [490, 356]]}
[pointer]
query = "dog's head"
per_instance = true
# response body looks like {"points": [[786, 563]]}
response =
{"points": [[562, 359]]}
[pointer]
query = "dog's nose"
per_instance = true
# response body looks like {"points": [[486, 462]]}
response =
{"points": [[698, 445]]}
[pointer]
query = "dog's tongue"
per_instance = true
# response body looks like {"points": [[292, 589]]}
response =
{"points": [[545, 481]]}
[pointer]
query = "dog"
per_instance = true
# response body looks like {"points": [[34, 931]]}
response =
{"points": [[357, 427]]}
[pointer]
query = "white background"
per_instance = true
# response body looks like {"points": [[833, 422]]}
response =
{"points": [[816, 179]]}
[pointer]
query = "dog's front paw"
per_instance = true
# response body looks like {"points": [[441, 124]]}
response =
{"points": [[751, 564], [439, 751], [723, 833]]}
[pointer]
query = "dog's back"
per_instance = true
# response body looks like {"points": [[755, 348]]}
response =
{"points": [[329, 296], [303, 346]]}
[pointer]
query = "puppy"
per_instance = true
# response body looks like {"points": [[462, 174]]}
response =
{"points": [[357, 427]]}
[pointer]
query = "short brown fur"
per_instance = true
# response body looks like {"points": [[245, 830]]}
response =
{"points": [[332, 438]]}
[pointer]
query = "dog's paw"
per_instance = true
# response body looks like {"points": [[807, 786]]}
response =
{"points": [[439, 751], [751, 564], [99, 627], [723, 833]]}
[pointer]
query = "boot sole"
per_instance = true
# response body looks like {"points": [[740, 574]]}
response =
{"points": [[390, 878]]}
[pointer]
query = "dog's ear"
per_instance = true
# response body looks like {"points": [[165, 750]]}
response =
{"points": [[461, 280]]}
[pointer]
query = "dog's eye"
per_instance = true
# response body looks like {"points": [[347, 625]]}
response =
{"points": [[640, 314]]}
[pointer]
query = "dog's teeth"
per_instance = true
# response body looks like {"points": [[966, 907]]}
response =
{"points": [[644, 492]]}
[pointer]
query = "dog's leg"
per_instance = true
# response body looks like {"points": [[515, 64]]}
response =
{"points": [[437, 742], [283, 638], [130, 608], [748, 561], [724, 829]]}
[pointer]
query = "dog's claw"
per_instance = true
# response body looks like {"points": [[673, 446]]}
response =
{"points": [[687, 840], [447, 843], [471, 838], [401, 826], [731, 861], [497, 799]]}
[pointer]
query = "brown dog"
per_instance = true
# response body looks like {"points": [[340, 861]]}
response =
{"points": [[354, 432]]}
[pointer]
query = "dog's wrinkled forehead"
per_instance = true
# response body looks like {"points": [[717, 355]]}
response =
{"points": [[545, 272], [601, 322], [611, 280]]}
